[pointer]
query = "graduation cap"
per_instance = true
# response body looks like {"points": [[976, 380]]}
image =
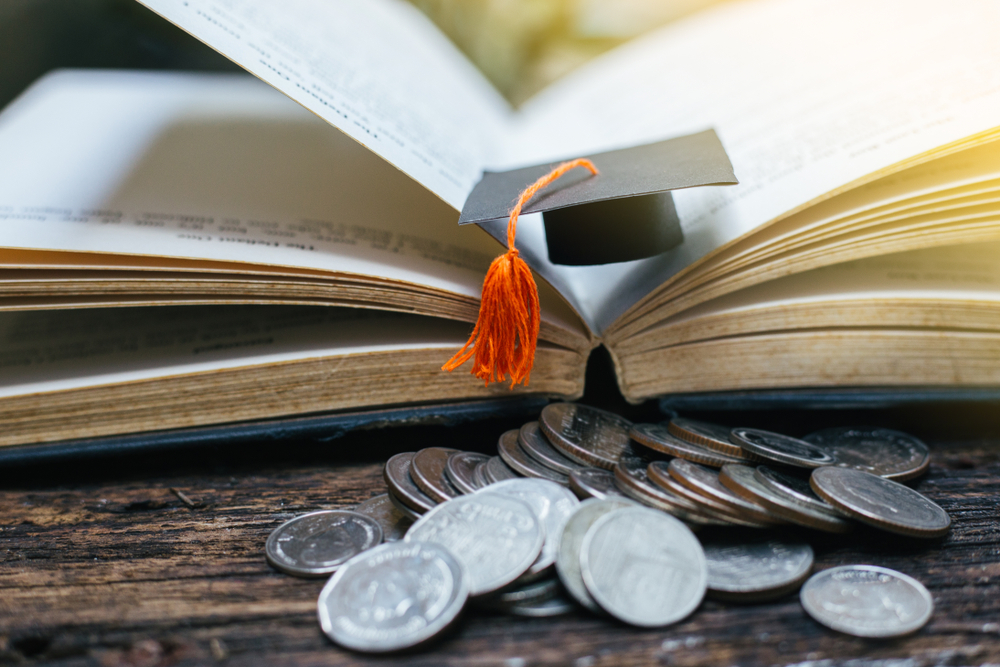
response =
{"points": [[625, 212], [617, 208]]}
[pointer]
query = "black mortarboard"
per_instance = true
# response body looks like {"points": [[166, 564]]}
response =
{"points": [[626, 212]]}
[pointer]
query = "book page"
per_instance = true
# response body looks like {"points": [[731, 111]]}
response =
{"points": [[60, 350], [223, 168], [807, 97], [376, 69]]}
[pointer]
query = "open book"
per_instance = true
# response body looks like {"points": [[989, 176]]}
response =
{"points": [[861, 247]]}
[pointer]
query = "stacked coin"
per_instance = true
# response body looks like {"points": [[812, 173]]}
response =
{"points": [[508, 533]]}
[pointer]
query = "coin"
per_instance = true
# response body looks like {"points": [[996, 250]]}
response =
{"points": [[880, 451], [393, 597], [394, 523], [643, 567], [709, 435], [495, 537], [461, 470], [537, 446], [589, 436], [403, 509], [756, 571], [568, 560], [428, 471], [316, 544], [397, 477], [480, 474], [706, 482], [660, 439], [593, 483], [519, 462], [556, 606], [740, 479], [880, 502], [496, 470], [867, 601], [632, 480], [781, 448], [795, 487], [715, 512], [551, 503], [534, 592]]}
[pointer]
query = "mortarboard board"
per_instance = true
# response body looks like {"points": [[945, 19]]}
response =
{"points": [[624, 213]]}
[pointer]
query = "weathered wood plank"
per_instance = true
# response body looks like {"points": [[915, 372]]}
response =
{"points": [[125, 573]]}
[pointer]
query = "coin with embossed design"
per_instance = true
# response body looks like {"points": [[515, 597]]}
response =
{"points": [[632, 480], [643, 567], [880, 502], [397, 477], [753, 571], [515, 457], [393, 597], [568, 560], [660, 439], [593, 483], [780, 448], [461, 470], [553, 505], [589, 436], [495, 537], [867, 601], [316, 544], [393, 522], [891, 454], [537, 446], [715, 513]]}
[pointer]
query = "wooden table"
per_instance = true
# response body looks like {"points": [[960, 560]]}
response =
{"points": [[103, 564]]}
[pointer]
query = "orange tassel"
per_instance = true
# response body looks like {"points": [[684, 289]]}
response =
{"points": [[506, 333]]}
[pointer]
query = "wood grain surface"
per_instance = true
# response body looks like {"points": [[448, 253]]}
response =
{"points": [[106, 565]]}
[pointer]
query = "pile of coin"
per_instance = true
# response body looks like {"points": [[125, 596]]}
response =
{"points": [[508, 533]]}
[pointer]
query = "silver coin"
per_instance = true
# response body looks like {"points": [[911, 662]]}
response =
{"points": [[461, 470], [759, 570], [427, 468], [797, 488], [496, 537], [397, 477], [589, 436], [555, 606], [867, 601], [593, 483], [568, 560], [781, 448], [880, 502], [880, 451], [394, 523], [740, 479], [643, 567], [515, 457], [393, 597], [537, 446], [316, 544], [551, 503], [707, 434], [496, 470], [534, 592]]}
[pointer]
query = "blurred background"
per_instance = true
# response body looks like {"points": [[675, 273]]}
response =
{"points": [[520, 45]]}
